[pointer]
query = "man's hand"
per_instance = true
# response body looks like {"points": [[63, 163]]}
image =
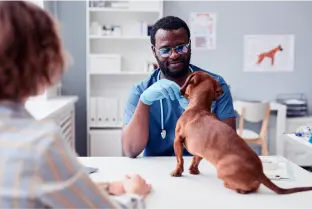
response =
{"points": [[163, 88], [131, 184]]}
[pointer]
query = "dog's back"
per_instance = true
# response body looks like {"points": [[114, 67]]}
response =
{"points": [[208, 137]]}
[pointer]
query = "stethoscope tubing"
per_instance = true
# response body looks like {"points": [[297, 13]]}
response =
{"points": [[163, 131]]}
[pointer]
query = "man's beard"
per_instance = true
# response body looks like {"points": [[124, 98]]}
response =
{"points": [[175, 73]]}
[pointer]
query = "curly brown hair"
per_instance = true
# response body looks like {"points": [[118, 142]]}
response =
{"points": [[31, 53]]}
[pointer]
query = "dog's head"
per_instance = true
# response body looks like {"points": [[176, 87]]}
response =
{"points": [[200, 82]]}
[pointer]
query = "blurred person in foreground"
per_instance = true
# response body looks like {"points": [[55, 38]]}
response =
{"points": [[38, 168]]}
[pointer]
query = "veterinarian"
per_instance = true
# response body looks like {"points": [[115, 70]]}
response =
{"points": [[155, 104]]}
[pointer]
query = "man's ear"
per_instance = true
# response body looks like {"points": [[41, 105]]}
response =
{"points": [[191, 80], [153, 49]]}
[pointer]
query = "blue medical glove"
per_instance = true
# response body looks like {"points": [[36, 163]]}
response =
{"points": [[183, 102], [163, 88]]}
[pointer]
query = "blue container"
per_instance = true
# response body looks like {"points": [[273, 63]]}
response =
{"points": [[310, 139]]}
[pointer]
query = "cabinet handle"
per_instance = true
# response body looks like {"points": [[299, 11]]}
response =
{"points": [[106, 119], [92, 119], [100, 119]]}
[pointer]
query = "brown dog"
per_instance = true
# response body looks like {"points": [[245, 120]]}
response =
{"points": [[204, 136]]}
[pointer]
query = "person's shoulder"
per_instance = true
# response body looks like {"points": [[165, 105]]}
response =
{"points": [[142, 85], [47, 126], [37, 136], [218, 77], [46, 133], [33, 130]]}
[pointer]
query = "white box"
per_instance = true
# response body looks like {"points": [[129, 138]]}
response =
{"points": [[105, 63], [144, 5]]}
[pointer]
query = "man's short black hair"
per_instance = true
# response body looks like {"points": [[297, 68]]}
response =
{"points": [[168, 23]]}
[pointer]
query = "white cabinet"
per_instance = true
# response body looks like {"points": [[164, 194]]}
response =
{"points": [[66, 120], [294, 151], [293, 123], [105, 143], [60, 109], [297, 149]]}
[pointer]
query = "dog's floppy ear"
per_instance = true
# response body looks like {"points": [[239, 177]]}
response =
{"points": [[219, 90], [191, 79]]}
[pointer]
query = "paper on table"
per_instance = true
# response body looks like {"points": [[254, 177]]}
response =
{"points": [[281, 171]]}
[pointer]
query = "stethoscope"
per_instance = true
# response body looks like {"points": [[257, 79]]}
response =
{"points": [[163, 130]]}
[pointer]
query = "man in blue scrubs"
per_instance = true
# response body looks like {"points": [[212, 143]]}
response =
{"points": [[155, 104]]}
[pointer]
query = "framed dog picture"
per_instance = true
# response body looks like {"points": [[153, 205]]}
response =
{"points": [[268, 53]]}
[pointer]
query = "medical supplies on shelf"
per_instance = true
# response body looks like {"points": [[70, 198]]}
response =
{"points": [[139, 29], [134, 5], [296, 104], [97, 3]]}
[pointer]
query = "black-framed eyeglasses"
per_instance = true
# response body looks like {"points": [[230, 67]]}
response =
{"points": [[180, 49]]}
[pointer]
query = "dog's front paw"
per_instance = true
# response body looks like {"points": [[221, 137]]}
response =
{"points": [[177, 172], [194, 170]]}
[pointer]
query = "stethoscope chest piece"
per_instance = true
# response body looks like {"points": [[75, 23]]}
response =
{"points": [[163, 134]]}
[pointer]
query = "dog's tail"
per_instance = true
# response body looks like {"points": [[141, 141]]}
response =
{"points": [[268, 183]]}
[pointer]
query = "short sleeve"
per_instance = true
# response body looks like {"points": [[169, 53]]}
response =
{"points": [[224, 108], [64, 183], [131, 104]]}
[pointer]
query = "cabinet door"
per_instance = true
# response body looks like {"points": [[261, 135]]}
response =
{"points": [[105, 143], [297, 152], [293, 123], [66, 120]]}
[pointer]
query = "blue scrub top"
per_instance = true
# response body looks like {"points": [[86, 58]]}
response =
{"points": [[157, 146]]}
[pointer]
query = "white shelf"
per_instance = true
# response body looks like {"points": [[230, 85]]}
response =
{"points": [[124, 73], [114, 65], [119, 37], [118, 126], [99, 9]]}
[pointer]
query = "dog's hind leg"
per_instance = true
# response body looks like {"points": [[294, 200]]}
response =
{"points": [[194, 166], [260, 58], [178, 149]]}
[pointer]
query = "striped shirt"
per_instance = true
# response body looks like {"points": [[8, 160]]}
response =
{"points": [[40, 170]]}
